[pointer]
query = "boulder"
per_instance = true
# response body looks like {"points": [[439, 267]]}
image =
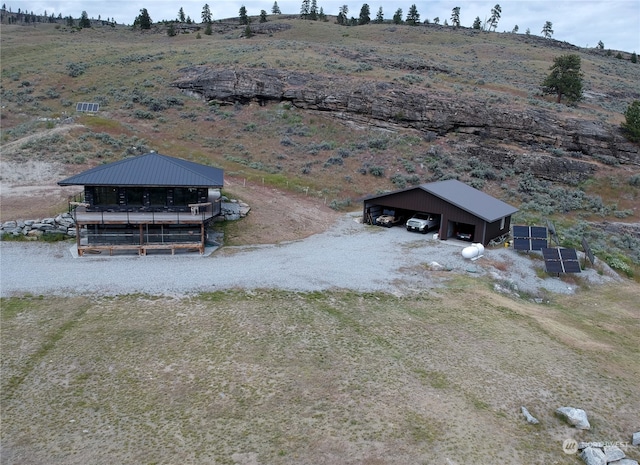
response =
{"points": [[575, 417], [613, 453], [43, 226], [624, 462], [635, 439], [593, 456], [530, 418]]}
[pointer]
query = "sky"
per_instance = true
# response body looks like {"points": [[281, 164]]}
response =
{"points": [[580, 22]]}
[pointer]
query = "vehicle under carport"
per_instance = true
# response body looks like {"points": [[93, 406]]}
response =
{"points": [[458, 204]]}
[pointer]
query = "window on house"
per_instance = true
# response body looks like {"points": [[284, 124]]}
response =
{"points": [[183, 196], [105, 195], [135, 196], [157, 196], [502, 223]]}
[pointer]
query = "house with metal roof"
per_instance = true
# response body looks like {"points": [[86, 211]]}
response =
{"points": [[147, 202], [462, 211]]}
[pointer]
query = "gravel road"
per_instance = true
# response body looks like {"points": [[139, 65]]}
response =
{"points": [[347, 256]]}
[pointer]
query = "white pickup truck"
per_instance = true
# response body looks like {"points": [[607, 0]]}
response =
{"points": [[422, 222]]}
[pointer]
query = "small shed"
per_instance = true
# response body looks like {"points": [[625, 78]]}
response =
{"points": [[151, 201], [460, 208]]}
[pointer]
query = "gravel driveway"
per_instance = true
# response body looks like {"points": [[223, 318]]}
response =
{"points": [[348, 256]]}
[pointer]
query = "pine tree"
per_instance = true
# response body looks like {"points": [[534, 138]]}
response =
{"points": [[365, 13], [263, 16], [565, 78], [84, 20], [397, 16], [455, 17], [547, 30], [181, 16], [413, 17], [244, 19], [632, 121], [275, 9], [143, 21], [495, 17], [342, 15], [477, 24], [305, 9], [379, 16], [206, 14], [313, 10]]}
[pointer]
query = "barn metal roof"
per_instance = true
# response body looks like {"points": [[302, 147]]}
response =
{"points": [[151, 169], [465, 197], [469, 199]]}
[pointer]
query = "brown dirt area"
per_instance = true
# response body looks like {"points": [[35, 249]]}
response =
{"points": [[29, 191]]}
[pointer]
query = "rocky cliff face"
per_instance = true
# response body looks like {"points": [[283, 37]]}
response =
{"points": [[577, 146]]}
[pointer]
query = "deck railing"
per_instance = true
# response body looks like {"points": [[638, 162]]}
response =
{"points": [[197, 213]]}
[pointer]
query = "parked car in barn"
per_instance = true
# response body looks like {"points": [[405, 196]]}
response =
{"points": [[464, 236], [389, 220], [422, 222]]}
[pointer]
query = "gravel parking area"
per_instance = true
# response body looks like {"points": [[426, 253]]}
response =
{"points": [[349, 255]]}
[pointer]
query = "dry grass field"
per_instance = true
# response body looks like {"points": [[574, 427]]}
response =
{"points": [[274, 377], [309, 378]]}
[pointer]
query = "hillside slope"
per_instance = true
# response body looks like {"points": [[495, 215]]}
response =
{"points": [[355, 111]]}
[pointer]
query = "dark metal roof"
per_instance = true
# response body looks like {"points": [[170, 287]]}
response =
{"points": [[151, 169], [465, 197], [470, 200]]}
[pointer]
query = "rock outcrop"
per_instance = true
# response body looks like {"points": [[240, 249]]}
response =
{"points": [[580, 145]]}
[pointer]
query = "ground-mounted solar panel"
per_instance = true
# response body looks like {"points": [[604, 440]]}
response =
{"points": [[571, 267], [559, 260], [521, 231], [568, 254], [520, 243], [551, 254], [588, 252], [529, 237], [538, 232], [553, 267], [87, 107], [539, 244]]}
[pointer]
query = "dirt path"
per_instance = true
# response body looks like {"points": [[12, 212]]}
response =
{"points": [[276, 216]]}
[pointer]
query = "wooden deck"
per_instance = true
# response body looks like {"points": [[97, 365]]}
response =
{"points": [[195, 216]]}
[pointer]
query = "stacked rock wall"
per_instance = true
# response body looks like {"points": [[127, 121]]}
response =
{"points": [[61, 224]]}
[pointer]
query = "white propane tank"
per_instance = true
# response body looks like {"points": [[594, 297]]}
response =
{"points": [[214, 195], [473, 252]]}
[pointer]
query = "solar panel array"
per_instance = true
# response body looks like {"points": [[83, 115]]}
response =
{"points": [[530, 237], [559, 260], [88, 107]]}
